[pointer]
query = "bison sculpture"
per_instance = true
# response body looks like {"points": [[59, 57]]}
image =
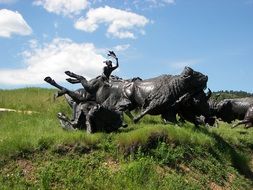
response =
{"points": [[157, 96], [248, 118], [229, 110]]}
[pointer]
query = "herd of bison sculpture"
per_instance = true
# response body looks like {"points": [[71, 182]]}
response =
{"points": [[100, 104]]}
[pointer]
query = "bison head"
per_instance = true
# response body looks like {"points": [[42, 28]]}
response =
{"points": [[195, 80]]}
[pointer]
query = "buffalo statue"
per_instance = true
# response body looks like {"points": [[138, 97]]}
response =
{"points": [[248, 118], [229, 110], [157, 96]]}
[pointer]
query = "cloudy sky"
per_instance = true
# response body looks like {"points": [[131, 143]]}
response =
{"points": [[40, 38]]}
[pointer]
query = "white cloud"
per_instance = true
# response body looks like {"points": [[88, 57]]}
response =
{"points": [[63, 7], [158, 3], [13, 23], [53, 59], [168, 1], [181, 64], [121, 47], [33, 43], [144, 4], [121, 24]]}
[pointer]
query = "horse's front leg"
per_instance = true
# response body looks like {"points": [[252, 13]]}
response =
{"points": [[73, 81], [53, 83], [77, 79], [75, 96], [73, 75], [59, 93]]}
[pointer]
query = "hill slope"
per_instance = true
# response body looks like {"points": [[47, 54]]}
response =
{"points": [[36, 153]]}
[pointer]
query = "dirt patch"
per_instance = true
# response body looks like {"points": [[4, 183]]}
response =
{"points": [[112, 164], [27, 168], [17, 111], [227, 186], [214, 186], [184, 168]]}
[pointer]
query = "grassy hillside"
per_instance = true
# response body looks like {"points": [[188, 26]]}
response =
{"points": [[35, 153]]}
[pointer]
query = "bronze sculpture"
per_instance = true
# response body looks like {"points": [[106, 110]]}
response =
{"points": [[248, 118], [100, 104]]}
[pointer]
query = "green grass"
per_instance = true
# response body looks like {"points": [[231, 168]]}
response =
{"points": [[35, 153]]}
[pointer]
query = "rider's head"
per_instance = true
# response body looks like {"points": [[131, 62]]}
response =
{"points": [[108, 63]]}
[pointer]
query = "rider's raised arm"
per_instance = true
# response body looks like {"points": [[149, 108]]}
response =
{"points": [[117, 64], [112, 54]]}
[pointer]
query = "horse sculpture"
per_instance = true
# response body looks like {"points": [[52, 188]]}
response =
{"points": [[89, 114], [96, 92]]}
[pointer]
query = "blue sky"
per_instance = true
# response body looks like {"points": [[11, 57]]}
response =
{"points": [[150, 37]]}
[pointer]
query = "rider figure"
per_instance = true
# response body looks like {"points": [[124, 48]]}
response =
{"points": [[108, 69]]}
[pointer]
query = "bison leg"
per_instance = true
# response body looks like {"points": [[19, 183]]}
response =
{"points": [[241, 122], [137, 118], [248, 125], [149, 107], [169, 117], [129, 114]]}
